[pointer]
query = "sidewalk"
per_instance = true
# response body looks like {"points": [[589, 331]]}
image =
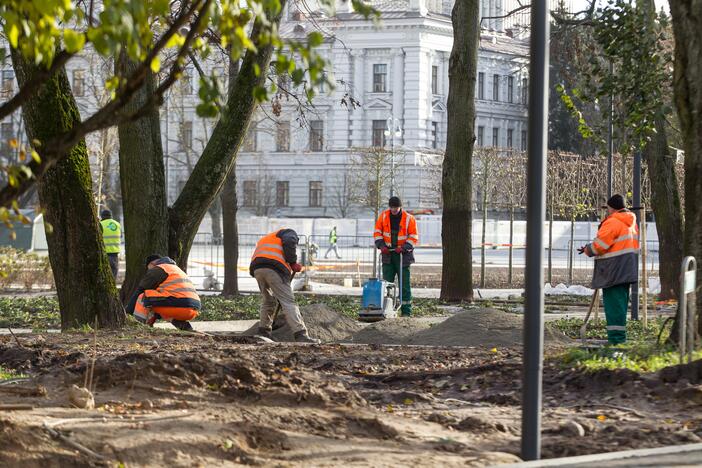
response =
{"points": [[675, 455]]}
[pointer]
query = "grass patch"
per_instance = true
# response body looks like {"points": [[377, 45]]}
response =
{"points": [[639, 358], [41, 313], [597, 330], [6, 374]]}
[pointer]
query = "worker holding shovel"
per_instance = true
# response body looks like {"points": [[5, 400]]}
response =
{"points": [[273, 263], [396, 237], [616, 252]]}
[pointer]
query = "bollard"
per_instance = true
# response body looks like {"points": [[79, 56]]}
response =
{"points": [[688, 277]]}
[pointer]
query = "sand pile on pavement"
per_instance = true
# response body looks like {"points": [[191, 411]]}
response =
{"points": [[322, 323], [390, 331], [479, 327]]}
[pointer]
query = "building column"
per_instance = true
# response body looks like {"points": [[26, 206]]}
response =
{"points": [[358, 92], [398, 108]]}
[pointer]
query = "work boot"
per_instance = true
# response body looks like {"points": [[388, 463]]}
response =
{"points": [[183, 325], [303, 337], [265, 332]]}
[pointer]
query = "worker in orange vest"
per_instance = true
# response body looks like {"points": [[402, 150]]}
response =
{"points": [[166, 293], [272, 264], [396, 237], [616, 252]]}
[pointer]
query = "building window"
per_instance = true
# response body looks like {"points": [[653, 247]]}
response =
{"points": [[8, 81], [524, 140], [510, 142], [250, 139], [525, 91], [510, 89], [380, 75], [316, 135], [495, 136], [315, 193], [322, 87], [282, 136], [435, 79], [7, 133], [495, 87], [79, 83], [481, 135], [250, 193], [186, 82], [434, 135], [186, 136], [481, 85], [282, 193], [378, 135]]}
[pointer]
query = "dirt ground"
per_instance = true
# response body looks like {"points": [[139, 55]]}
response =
{"points": [[168, 399]]}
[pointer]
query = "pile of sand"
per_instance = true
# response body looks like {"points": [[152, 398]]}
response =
{"points": [[390, 331], [321, 322], [479, 327]]}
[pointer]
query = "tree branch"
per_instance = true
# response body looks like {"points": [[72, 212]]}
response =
{"points": [[56, 148], [34, 84]]}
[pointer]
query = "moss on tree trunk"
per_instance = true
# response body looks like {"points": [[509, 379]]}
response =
{"points": [[457, 265], [84, 283]]}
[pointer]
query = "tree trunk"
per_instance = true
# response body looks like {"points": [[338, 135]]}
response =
{"points": [[688, 100], [457, 265], [143, 183], [84, 284], [215, 212], [665, 202], [219, 156], [231, 236]]}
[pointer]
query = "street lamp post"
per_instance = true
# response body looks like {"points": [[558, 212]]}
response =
{"points": [[393, 130]]}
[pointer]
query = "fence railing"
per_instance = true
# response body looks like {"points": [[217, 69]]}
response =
{"points": [[497, 263]]}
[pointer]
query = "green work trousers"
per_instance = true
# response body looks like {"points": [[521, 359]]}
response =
{"points": [[390, 271], [616, 304]]}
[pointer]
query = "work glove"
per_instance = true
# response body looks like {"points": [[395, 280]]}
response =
{"points": [[296, 267], [398, 249], [384, 250]]}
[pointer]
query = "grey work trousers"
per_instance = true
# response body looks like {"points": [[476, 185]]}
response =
{"points": [[275, 290]]}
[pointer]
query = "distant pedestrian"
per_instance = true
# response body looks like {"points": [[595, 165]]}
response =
{"points": [[112, 238], [616, 252], [332, 244]]}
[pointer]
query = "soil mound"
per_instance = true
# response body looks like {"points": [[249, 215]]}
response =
{"points": [[479, 327], [322, 323], [390, 331]]}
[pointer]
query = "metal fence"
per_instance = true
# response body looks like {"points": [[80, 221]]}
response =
{"points": [[496, 263]]}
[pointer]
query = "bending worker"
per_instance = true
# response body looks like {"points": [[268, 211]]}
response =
{"points": [[166, 293], [111, 237], [616, 252], [273, 262], [396, 237]]}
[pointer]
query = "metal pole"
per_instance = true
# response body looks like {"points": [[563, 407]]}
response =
{"points": [[511, 245], [610, 139], [536, 195], [644, 276], [637, 203]]}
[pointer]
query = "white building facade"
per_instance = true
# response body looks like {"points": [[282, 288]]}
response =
{"points": [[304, 161]]}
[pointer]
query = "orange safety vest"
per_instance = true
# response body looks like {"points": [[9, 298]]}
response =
{"points": [[270, 246], [176, 287], [408, 229], [618, 235]]}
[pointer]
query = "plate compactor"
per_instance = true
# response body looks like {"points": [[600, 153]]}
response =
{"points": [[381, 299]]}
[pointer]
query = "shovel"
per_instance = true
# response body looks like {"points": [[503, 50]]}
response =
{"points": [[583, 328]]}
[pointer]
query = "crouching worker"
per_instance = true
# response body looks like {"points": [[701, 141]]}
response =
{"points": [[165, 293], [272, 264]]}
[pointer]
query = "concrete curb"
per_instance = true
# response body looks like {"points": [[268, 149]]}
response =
{"points": [[678, 450]]}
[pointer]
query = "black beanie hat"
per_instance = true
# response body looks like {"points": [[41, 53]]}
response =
{"points": [[395, 202], [151, 258], [616, 202]]}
